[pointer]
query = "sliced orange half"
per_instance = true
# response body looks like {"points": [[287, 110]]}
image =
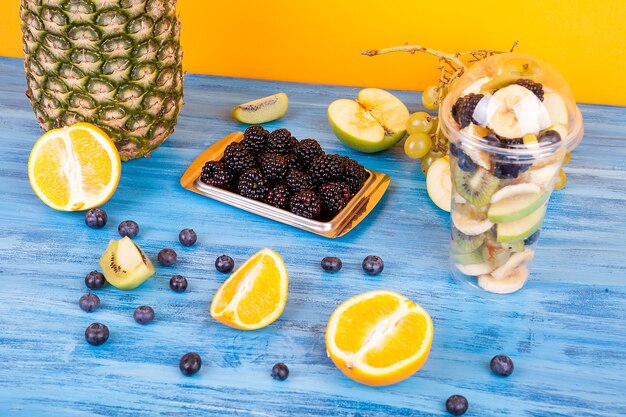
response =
{"points": [[379, 337], [74, 168], [255, 294]]}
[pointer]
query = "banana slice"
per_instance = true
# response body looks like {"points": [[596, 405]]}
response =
{"points": [[514, 111], [513, 282], [475, 270], [469, 226], [516, 260], [513, 190], [545, 175]]}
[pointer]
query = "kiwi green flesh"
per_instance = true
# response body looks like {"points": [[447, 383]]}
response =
{"points": [[471, 258], [477, 187], [463, 243]]}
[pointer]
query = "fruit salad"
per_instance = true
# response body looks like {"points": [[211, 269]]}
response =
{"points": [[510, 122]]}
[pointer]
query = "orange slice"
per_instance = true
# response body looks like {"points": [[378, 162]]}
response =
{"points": [[74, 168], [255, 294], [379, 337]]}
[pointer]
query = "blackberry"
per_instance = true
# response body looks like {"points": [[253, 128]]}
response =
{"points": [[292, 161], [354, 175], [306, 204], [307, 150], [279, 196], [273, 167], [326, 168], [255, 139], [464, 107], [281, 141], [297, 180], [217, 174], [334, 195], [252, 184], [536, 88], [237, 158]]}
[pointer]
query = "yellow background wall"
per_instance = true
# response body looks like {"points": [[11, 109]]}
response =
{"points": [[320, 41]]}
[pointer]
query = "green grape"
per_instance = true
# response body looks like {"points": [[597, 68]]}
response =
{"points": [[567, 158], [419, 122], [430, 97], [428, 160], [434, 125], [560, 181], [417, 145]]}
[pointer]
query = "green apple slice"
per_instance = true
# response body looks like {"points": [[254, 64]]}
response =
{"points": [[522, 228], [516, 207], [262, 110], [556, 108], [374, 122], [125, 265]]}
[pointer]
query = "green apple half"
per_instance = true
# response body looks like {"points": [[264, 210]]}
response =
{"points": [[374, 122]]}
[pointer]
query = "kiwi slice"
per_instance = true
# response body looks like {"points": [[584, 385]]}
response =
{"points": [[471, 258], [477, 187], [463, 243]]}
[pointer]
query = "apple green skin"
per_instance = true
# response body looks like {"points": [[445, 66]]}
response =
{"points": [[521, 236], [366, 146], [518, 214]]}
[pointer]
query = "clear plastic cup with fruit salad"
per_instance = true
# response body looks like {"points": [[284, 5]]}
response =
{"points": [[510, 121]]}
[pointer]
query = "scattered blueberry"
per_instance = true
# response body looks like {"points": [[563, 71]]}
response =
{"points": [[190, 363], [501, 365], [128, 228], [549, 137], [143, 314], [465, 162], [331, 264], [167, 257], [187, 237], [89, 302], [94, 280], [280, 371], [178, 283], [373, 265], [96, 218], [224, 264], [96, 334], [532, 238], [457, 405]]}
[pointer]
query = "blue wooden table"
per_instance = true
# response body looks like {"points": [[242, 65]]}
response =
{"points": [[566, 331]]}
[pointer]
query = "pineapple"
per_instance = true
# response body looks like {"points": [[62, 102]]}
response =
{"points": [[114, 63]]}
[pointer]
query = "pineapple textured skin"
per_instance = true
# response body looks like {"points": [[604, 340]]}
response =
{"points": [[114, 63]]}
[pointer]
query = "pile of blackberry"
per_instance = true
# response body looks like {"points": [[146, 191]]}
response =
{"points": [[278, 169]]}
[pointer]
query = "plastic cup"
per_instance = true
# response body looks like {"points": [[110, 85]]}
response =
{"points": [[510, 120]]}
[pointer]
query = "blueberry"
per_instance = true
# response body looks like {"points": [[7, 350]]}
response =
{"points": [[532, 238], [549, 137], [501, 365], [506, 169], [373, 265], [331, 264], [465, 162], [454, 150], [224, 264], [178, 283], [94, 280], [128, 228], [187, 237], [167, 257], [89, 302], [143, 314], [190, 363], [96, 334], [492, 139], [280, 372], [457, 405], [96, 218]]}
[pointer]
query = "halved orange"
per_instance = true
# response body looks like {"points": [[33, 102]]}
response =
{"points": [[255, 294], [74, 168], [379, 337]]}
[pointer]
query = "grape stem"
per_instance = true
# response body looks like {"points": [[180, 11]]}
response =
{"points": [[417, 48]]}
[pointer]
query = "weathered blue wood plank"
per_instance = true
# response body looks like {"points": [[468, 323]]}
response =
{"points": [[566, 331]]}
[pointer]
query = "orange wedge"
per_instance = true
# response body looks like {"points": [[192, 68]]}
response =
{"points": [[379, 337], [74, 168], [255, 294]]}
